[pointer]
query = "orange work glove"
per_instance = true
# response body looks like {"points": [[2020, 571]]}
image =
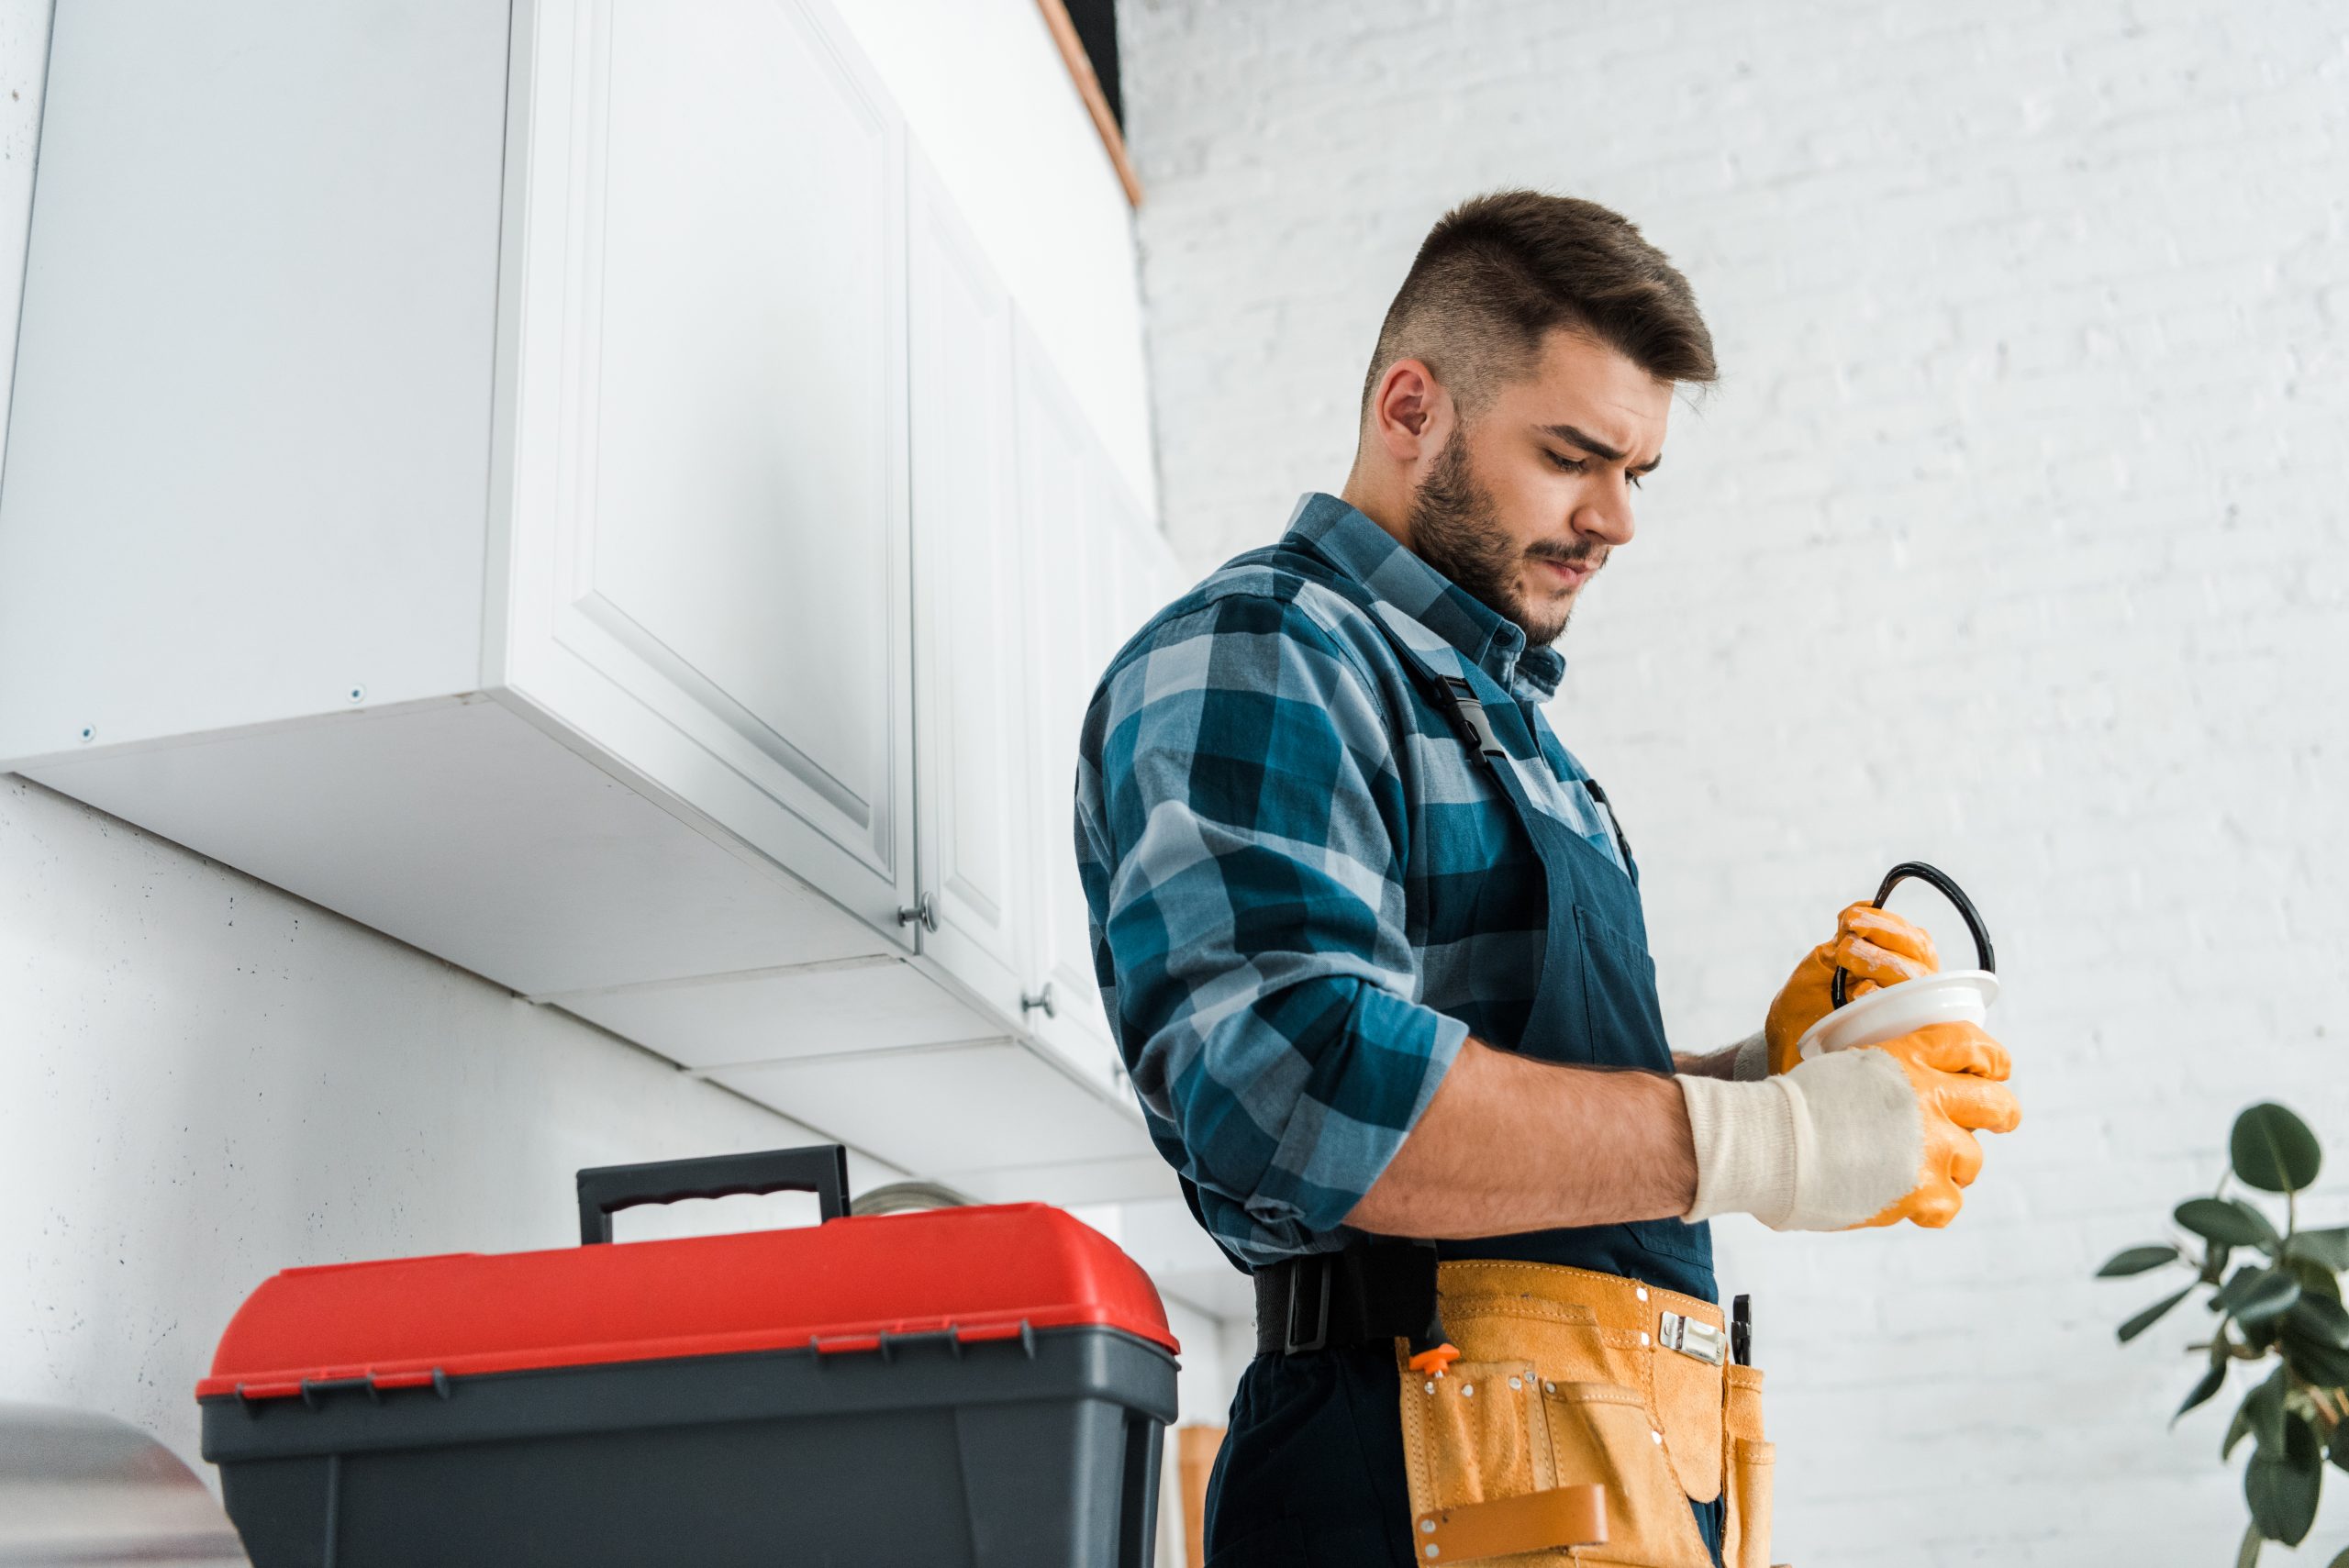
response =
{"points": [[1851, 1138], [1960, 1076], [1877, 947]]}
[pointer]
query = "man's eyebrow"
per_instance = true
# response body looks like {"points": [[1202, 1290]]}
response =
{"points": [[1597, 448]]}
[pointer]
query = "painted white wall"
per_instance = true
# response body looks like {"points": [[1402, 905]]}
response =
{"points": [[2014, 539], [993, 108], [203, 1080]]}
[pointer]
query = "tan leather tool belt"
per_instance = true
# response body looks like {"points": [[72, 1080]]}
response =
{"points": [[1584, 1416]]}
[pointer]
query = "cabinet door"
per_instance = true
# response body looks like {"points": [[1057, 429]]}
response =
{"points": [[972, 765], [709, 572], [1068, 555], [1133, 579]]}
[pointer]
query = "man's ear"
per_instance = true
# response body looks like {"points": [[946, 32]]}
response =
{"points": [[1410, 413]]}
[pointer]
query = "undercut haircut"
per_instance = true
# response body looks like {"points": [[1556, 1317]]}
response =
{"points": [[1500, 272]]}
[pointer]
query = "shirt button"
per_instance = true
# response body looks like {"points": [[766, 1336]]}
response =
{"points": [[1640, 1291], [1643, 1336], [1658, 1437]]}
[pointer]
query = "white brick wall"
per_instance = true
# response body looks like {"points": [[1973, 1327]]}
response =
{"points": [[2013, 540]]}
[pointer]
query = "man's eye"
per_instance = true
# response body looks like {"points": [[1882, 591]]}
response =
{"points": [[1638, 480], [1569, 465]]}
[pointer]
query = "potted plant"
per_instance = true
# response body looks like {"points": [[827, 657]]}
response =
{"points": [[2281, 1306]]}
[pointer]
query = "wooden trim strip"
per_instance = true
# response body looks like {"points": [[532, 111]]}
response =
{"points": [[1088, 87]]}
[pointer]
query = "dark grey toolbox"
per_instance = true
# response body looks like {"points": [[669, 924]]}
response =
{"points": [[982, 1386]]}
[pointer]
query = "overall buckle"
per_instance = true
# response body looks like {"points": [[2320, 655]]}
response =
{"points": [[1469, 714]]}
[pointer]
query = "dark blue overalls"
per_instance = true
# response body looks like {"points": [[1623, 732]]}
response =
{"points": [[1311, 1471]]}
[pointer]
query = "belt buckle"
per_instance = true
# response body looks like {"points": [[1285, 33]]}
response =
{"points": [[1692, 1337], [1316, 1263]]}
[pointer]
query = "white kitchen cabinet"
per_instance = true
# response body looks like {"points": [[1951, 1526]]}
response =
{"points": [[1068, 555], [557, 388], [1093, 562], [971, 703], [462, 830], [707, 560], [496, 511], [250, 437], [839, 1008], [991, 1118]]}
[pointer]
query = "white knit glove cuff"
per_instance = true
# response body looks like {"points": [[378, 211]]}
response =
{"points": [[1822, 1147]]}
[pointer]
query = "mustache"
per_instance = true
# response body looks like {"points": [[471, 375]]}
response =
{"points": [[1585, 552]]}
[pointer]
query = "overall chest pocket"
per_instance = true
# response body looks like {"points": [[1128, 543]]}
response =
{"points": [[1622, 1026]]}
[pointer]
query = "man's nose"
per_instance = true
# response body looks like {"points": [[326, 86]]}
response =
{"points": [[1605, 513]]}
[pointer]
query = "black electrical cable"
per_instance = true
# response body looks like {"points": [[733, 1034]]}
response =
{"points": [[1918, 871]]}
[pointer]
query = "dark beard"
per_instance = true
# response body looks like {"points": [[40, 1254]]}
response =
{"points": [[1453, 530]]}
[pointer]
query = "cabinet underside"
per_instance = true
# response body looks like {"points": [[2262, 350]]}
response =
{"points": [[462, 827]]}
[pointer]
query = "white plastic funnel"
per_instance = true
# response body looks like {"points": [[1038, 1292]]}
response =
{"points": [[1960, 997]]}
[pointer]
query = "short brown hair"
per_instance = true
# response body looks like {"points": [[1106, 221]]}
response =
{"points": [[1499, 271]]}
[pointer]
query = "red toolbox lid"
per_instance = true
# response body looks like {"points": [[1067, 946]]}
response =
{"points": [[981, 1274]]}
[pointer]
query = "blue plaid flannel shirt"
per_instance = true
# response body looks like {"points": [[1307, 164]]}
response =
{"points": [[1305, 892]]}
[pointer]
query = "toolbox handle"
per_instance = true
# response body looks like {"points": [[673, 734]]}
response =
{"points": [[605, 1189]]}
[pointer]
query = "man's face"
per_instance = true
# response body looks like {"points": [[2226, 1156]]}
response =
{"points": [[1522, 505]]}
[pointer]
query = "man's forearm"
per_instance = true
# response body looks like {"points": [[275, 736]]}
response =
{"points": [[1510, 1144]]}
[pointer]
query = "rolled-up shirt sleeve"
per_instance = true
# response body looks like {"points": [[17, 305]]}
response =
{"points": [[1242, 830]]}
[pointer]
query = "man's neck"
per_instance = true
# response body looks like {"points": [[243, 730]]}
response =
{"points": [[1382, 504]]}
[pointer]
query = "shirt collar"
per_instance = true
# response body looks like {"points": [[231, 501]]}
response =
{"points": [[1348, 539]]}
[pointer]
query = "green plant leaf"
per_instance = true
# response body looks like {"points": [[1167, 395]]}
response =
{"points": [[2274, 1151], [2226, 1295], [2303, 1444], [2253, 1296], [2342, 1561], [2229, 1221], [2263, 1411], [2329, 1249], [2145, 1319], [2136, 1260], [2315, 1318], [2316, 1279], [2282, 1485], [2215, 1375], [2318, 1362], [2247, 1554], [2275, 1294], [2237, 1428]]}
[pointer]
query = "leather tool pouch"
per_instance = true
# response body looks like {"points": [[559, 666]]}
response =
{"points": [[1745, 1537], [1569, 1430]]}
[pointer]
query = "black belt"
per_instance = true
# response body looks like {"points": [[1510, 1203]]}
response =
{"points": [[1369, 1292]]}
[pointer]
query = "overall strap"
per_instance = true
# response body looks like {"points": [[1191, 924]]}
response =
{"points": [[1443, 688]]}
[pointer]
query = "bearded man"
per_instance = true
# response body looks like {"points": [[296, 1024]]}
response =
{"points": [[1373, 944]]}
